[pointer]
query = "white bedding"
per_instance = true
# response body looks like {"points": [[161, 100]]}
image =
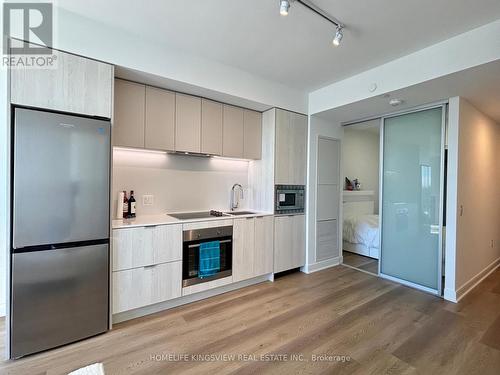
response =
{"points": [[362, 229]]}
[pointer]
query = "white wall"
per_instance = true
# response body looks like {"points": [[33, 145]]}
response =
{"points": [[317, 127], [86, 37], [178, 183], [360, 155], [474, 159], [473, 48]]}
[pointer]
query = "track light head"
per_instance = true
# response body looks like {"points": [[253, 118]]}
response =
{"points": [[338, 36], [284, 6]]}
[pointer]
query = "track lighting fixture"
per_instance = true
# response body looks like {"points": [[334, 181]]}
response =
{"points": [[338, 36], [284, 6], [339, 33]]}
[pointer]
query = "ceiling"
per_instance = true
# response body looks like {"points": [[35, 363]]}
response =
{"points": [[295, 50], [479, 85]]}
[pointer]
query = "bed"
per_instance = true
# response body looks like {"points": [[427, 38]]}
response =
{"points": [[361, 227]]}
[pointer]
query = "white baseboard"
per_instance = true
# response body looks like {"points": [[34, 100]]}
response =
{"points": [[462, 291], [2, 309], [315, 267], [147, 310]]}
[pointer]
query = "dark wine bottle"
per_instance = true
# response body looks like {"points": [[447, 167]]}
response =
{"points": [[125, 205], [131, 204]]}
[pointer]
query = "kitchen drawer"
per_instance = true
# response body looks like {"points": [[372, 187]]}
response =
{"points": [[145, 286], [145, 246], [208, 224]]}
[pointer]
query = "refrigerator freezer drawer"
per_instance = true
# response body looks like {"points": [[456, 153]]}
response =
{"points": [[58, 296]]}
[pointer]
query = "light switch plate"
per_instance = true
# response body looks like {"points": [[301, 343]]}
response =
{"points": [[147, 200]]}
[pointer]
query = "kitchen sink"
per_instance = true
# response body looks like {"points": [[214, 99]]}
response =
{"points": [[237, 213]]}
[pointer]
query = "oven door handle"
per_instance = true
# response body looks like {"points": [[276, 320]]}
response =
{"points": [[198, 245]]}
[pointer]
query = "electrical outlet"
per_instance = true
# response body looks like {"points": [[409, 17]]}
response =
{"points": [[147, 200]]}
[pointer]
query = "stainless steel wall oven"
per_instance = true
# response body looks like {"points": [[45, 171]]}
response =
{"points": [[191, 253]]}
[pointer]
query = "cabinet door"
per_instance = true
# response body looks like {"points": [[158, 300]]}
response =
{"points": [[211, 127], [299, 241], [232, 132], [289, 242], [77, 85], [291, 146], [282, 149], [264, 244], [298, 154], [243, 248], [132, 247], [187, 123], [160, 119], [252, 138], [128, 121], [139, 287], [167, 243]]}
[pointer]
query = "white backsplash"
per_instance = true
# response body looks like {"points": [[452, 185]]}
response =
{"points": [[178, 183]]}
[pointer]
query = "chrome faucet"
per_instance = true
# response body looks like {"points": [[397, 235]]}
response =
{"points": [[235, 200]]}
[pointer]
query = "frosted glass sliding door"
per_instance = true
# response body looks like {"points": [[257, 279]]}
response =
{"points": [[412, 188]]}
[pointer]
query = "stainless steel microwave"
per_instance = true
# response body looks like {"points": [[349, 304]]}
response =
{"points": [[289, 199]]}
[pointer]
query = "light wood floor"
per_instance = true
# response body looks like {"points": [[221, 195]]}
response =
{"points": [[359, 261], [383, 327]]}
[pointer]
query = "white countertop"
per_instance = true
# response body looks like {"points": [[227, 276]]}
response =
{"points": [[162, 219]]}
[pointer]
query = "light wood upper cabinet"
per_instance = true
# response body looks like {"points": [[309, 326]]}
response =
{"points": [[233, 133], [187, 123], [211, 127], [243, 249], [289, 242], [77, 85], [157, 119], [291, 148], [128, 122], [160, 119], [252, 137], [264, 245]]}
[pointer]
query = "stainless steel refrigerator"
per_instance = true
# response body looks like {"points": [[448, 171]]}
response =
{"points": [[60, 230]]}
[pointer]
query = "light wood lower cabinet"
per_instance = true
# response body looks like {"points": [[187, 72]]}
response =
{"points": [[144, 286], [289, 242], [264, 245], [243, 248], [145, 246], [147, 266], [252, 247]]}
